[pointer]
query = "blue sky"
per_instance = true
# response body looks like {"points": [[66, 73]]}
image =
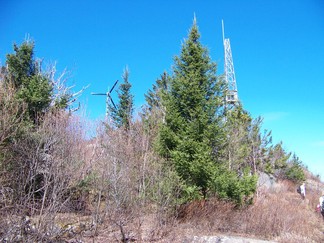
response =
{"points": [[277, 46]]}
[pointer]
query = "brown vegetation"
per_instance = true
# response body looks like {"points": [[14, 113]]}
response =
{"points": [[277, 214], [58, 186]]}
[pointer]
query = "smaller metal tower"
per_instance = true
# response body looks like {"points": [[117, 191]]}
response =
{"points": [[231, 98], [108, 98]]}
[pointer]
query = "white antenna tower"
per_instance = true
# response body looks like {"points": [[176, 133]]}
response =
{"points": [[108, 98], [231, 97]]}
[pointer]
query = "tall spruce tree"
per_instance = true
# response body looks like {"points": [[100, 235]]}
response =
{"points": [[33, 87], [191, 136], [123, 112]]}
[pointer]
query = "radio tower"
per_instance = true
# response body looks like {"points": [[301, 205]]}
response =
{"points": [[231, 96]]}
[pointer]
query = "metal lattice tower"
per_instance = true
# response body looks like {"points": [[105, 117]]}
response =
{"points": [[231, 98]]}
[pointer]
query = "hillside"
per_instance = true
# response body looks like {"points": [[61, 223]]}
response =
{"points": [[278, 214]]}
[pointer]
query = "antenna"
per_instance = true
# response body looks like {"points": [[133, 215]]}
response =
{"points": [[231, 98], [223, 30], [108, 97]]}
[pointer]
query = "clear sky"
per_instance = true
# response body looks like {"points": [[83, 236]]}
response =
{"points": [[277, 46]]}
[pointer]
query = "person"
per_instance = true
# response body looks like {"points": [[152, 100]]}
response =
{"points": [[321, 201], [303, 190]]}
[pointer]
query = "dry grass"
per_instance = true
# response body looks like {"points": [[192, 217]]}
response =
{"points": [[122, 208], [279, 214]]}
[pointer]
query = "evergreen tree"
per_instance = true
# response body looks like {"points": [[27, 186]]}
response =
{"points": [[21, 64], [190, 136], [154, 97], [35, 133], [246, 146], [33, 87], [295, 170], [237, 150], [123, 112], [154, 110], [259, 146], [38, 90], [278, 159]]}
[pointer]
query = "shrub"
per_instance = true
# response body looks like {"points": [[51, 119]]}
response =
{"points": [[227, 185], [294, 170]]}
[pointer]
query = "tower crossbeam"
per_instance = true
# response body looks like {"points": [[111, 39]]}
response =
{"points": [[231, 97]]}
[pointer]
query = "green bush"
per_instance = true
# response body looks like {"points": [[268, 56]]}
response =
{"points": [[295, 172], [227, 185]]}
